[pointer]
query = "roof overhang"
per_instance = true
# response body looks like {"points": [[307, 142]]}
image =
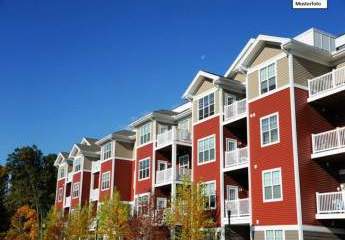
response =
{"points": [[61, 159], [153, 116], [117, 137]]}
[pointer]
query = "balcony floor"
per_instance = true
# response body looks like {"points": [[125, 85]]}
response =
{"points": [[329, 216], [238, 220]]}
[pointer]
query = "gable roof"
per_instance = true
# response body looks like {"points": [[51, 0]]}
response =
{"points": [[121, 135], [162, 115]]}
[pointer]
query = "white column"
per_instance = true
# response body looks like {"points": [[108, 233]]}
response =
{"points": [[173, 162]]}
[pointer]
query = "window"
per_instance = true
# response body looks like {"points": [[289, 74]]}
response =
{"points": [[206, 106], [268, 78], [229, 99], [77, 165], [272, 185], [142, 204], [60, 194], [105, 181], [209, 192], [206, 150], [145, 133], [107, 151], [76, 187], [61, 172], [269, 130], [274, 235], [144, 169], [161, 203]]}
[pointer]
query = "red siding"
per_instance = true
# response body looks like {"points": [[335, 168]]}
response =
{"points": [[105, 167], [312, 177], [210, 171], [274, 156], [86, 187], [124, 178], [60, 184], [142, 153], [76, 178]]}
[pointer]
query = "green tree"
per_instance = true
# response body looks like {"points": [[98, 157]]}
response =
{"points": [[187, 216], [32, 180], [113, 218], [54, 225]]}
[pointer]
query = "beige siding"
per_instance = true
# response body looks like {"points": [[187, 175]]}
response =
{"points": [[266, 53], [87, 164], [341, 65], [205, 85], [124, 150], [240, 77], [291, 235], [282, 78], [259, 235], [195, 106], [305, 69]]}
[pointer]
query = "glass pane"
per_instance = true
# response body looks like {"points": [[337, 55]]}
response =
{"points": [[212, 109], [201, 157], [276, 177], [268, 193], [265, 138], [273, 122], [269, 235], [264, 87], [263, 76], [212, 201], [272, 83], [201, 103], [206, 102], [267, 179], [276, 192], [271, 70], [274, 135], [211, 98], [278, 235], [207, 155], [212, 154], [265, 127]]}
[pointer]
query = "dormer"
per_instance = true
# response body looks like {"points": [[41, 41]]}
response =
{"points": [[63, 164]]}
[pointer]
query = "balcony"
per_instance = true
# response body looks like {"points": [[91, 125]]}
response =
{"points": [[69, 177], [165, 177], [328, 143], [235, 111], [94, 195], [236, 159], [330, 205], [181, 136], [95, 166], [67, 202], [240, 213], [327, 84]]}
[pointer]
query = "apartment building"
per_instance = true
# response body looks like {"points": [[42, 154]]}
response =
{"points": [[266, 140]]}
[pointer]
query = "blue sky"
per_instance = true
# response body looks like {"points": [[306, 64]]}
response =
{"points": [[78, 68]]}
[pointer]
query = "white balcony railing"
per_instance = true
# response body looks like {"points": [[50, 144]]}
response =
{"points": [[174, 134], [95, 166], [67, 202], [238, 208], [235, 110], [330, 203], [165, 176], [330, 140], [94, 195], [236, 158], [324, 83]]}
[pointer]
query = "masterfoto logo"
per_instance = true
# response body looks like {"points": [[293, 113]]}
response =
{"points": [[309, 4]]}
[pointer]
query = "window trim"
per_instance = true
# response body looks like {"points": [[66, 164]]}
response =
{"points": [[150, 133], [281, 185], [198, 106], [215, 193], [102, 177], [282, 230], [148, 177], [136, 205], [278, 130], [76, 183], [275, 62], [111, 151], [215, 149], [80, 164]]}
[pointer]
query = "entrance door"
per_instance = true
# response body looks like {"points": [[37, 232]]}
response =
{"points": [[232, 192], [231, 144]]}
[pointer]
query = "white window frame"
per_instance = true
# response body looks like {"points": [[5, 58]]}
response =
{"points": [[78, 159], [208, 107], [107, 151], [145, 133], [139, 170], [215, 150], [162, 200], [263, 185], [209, 195], [236, 188], [274, 233], [105, 182], [165, 163], [139, 206], [261, 80], [270, 130], [228, 140], [75, 191], [60, 194]]}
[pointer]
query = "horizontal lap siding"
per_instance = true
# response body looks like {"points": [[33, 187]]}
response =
{"points": [[76, 178], [106, 166], [142, 153], [275, 156], [124, 178], [60, 184], [86, 187], [210, 171], [313, 178]]}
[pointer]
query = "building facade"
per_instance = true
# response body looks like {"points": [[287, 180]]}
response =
{"points": [[266, 140]]}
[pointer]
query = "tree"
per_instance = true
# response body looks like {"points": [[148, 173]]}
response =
{"points": [[187, 216], [32, 181], [54, 225], [113, 218], [24, 225], [79, 223], [4, 215]]}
